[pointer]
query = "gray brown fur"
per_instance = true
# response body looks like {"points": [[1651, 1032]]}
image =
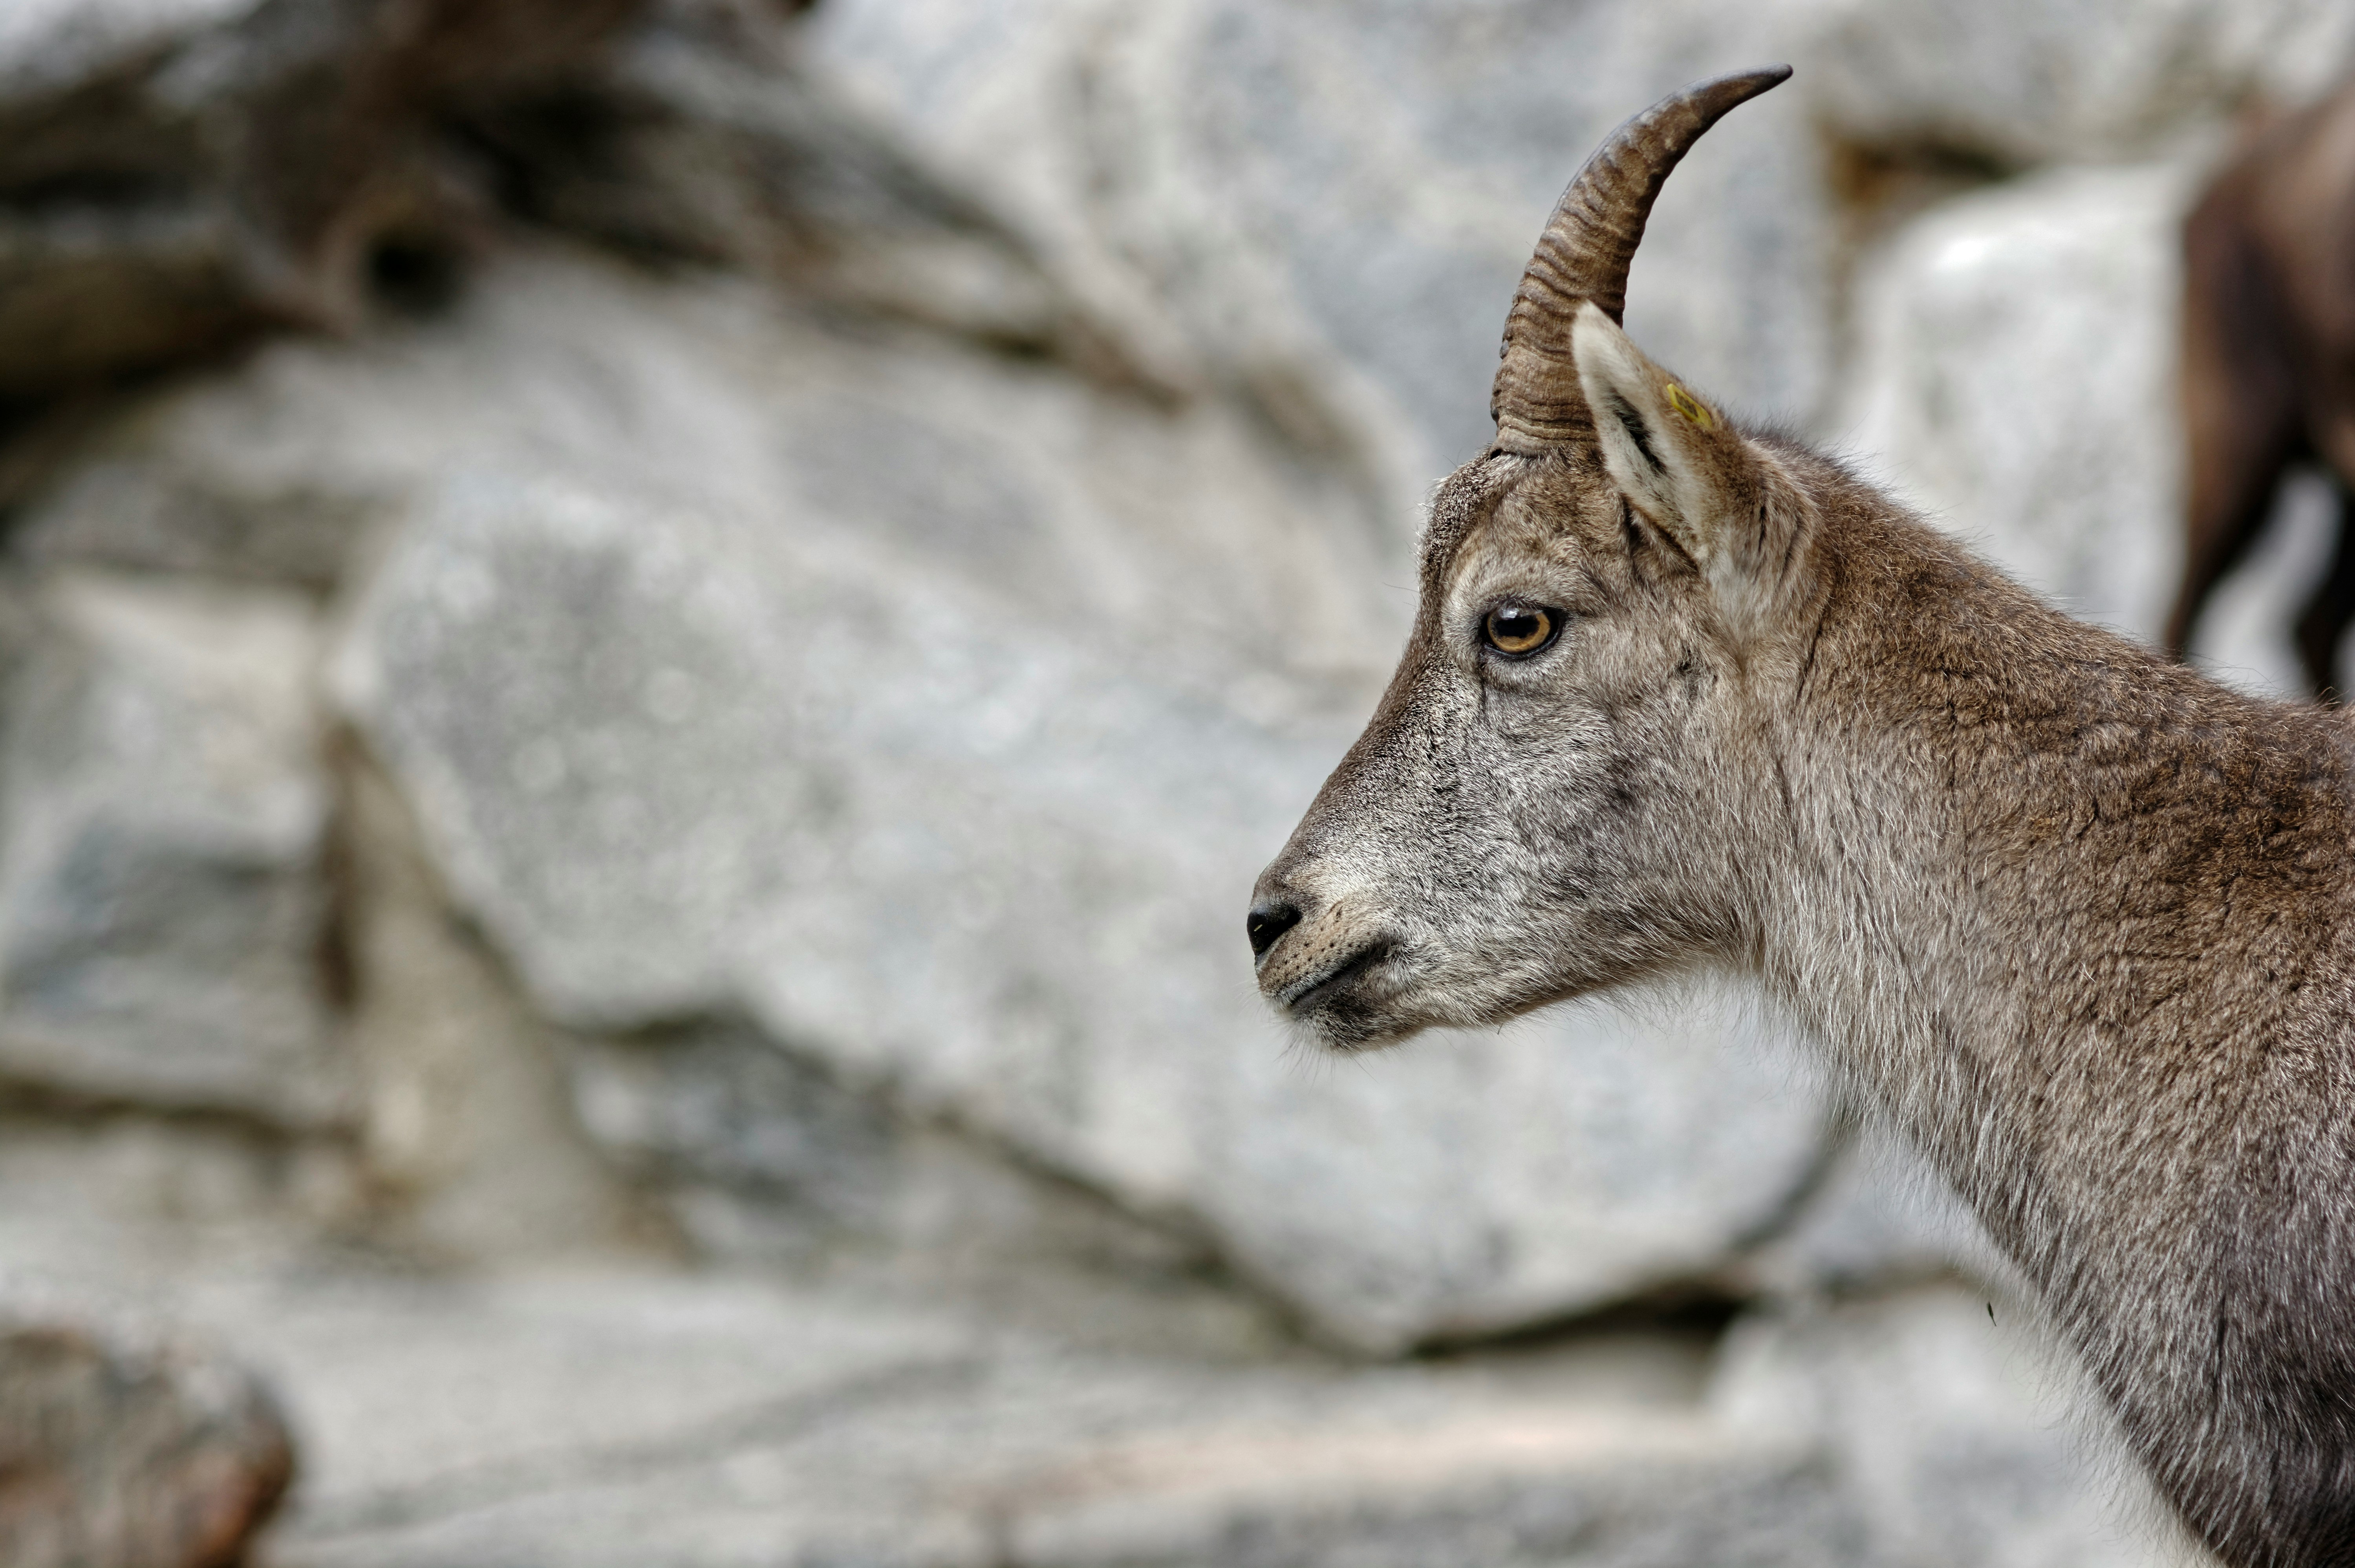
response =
{"points": [[2071, 915], [2268, 366]]}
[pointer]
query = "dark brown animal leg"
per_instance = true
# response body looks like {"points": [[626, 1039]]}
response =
{"points": [[2238, 390], [2230, 503], [2327, 614]]}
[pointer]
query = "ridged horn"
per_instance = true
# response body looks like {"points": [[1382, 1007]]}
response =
{"points": [[1584, 255]]}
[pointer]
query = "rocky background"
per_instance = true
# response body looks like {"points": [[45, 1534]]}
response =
{"points": [[646, 647]]}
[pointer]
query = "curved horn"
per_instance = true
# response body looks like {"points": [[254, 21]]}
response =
{"points": [[1584, 255]]}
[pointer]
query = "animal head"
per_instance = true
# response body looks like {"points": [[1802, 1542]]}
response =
{"points": [[1549, 799]]}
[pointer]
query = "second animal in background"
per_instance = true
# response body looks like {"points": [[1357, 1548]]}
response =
{"points": [[2268, 368]]}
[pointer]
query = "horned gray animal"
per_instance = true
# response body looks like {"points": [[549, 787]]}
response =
{"points": [[1683, 694]]}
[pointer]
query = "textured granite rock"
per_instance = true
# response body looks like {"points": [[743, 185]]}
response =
{"points": [[1325, 205], [175, 174], [163, 812], [120, 1445], [1955, 1429], [2014, 381], [703, 138], [2015, 350], [704, 1423], [2023, 82], [942, 767]]}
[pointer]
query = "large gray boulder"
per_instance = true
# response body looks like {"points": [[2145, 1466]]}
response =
{"points": [[700, 1423], [163, 817], [935, 711], [2015, 381], [932, 707], [2024, 82], [1326, 205], [702, 137]]}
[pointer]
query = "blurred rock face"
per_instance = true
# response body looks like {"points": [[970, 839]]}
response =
{"points": [[164, 832], [921, 703], [719, 663], [883, 696], [121, 1446], [2013, 382], [176, 175], [1326, 207], [2019, 83]]}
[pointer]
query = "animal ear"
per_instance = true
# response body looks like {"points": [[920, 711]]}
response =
{"points": [[1669, 453]]}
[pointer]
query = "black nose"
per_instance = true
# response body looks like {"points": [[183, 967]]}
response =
{"points": [[1269, 921]]}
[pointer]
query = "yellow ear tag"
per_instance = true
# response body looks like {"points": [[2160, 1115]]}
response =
{"points": [[1685, 403]]}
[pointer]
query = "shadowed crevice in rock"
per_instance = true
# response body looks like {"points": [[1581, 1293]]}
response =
{"points": [[171, 184], [686, 149]]}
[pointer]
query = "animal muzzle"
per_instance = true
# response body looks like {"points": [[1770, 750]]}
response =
{"points": [[1313, 955]]}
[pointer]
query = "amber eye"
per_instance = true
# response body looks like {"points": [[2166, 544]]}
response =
{"points": [[1518, 629]]}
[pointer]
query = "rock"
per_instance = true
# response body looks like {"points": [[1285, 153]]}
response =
{"points": [[83, 1194], [185, 498], [945, 770], [601, 1375], [696, 144], [2022, 82], [716, 1107], [2014, 382], [177, 174], [948, 771], [119, 1445], [1953, 1425], [162, 919], [705, 140], [703, 1423], [1327, 207], [466, 1126], [1878, 1218]]}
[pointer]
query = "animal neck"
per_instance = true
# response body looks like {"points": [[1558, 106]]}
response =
{"points": [[2045, 896]]}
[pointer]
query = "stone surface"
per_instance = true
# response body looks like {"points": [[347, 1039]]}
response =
{"points": [[1326, 206], [1956, 1429], [122, 1444], [2014, 381], [762, 1157], [852, 744], [466, 1124], [186, 498], [2023, 82], [162, 914], [1878, 1218], [75, 1185], [703, 138], [935, 702], [179, 174], [704, 1423], [945, 770], [617, 1413]]}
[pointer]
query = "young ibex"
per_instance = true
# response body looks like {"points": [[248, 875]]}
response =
{"points": [[1684, 694]]}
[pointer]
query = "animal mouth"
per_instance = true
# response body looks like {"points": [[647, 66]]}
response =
{"points": [[1313, 991]]}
